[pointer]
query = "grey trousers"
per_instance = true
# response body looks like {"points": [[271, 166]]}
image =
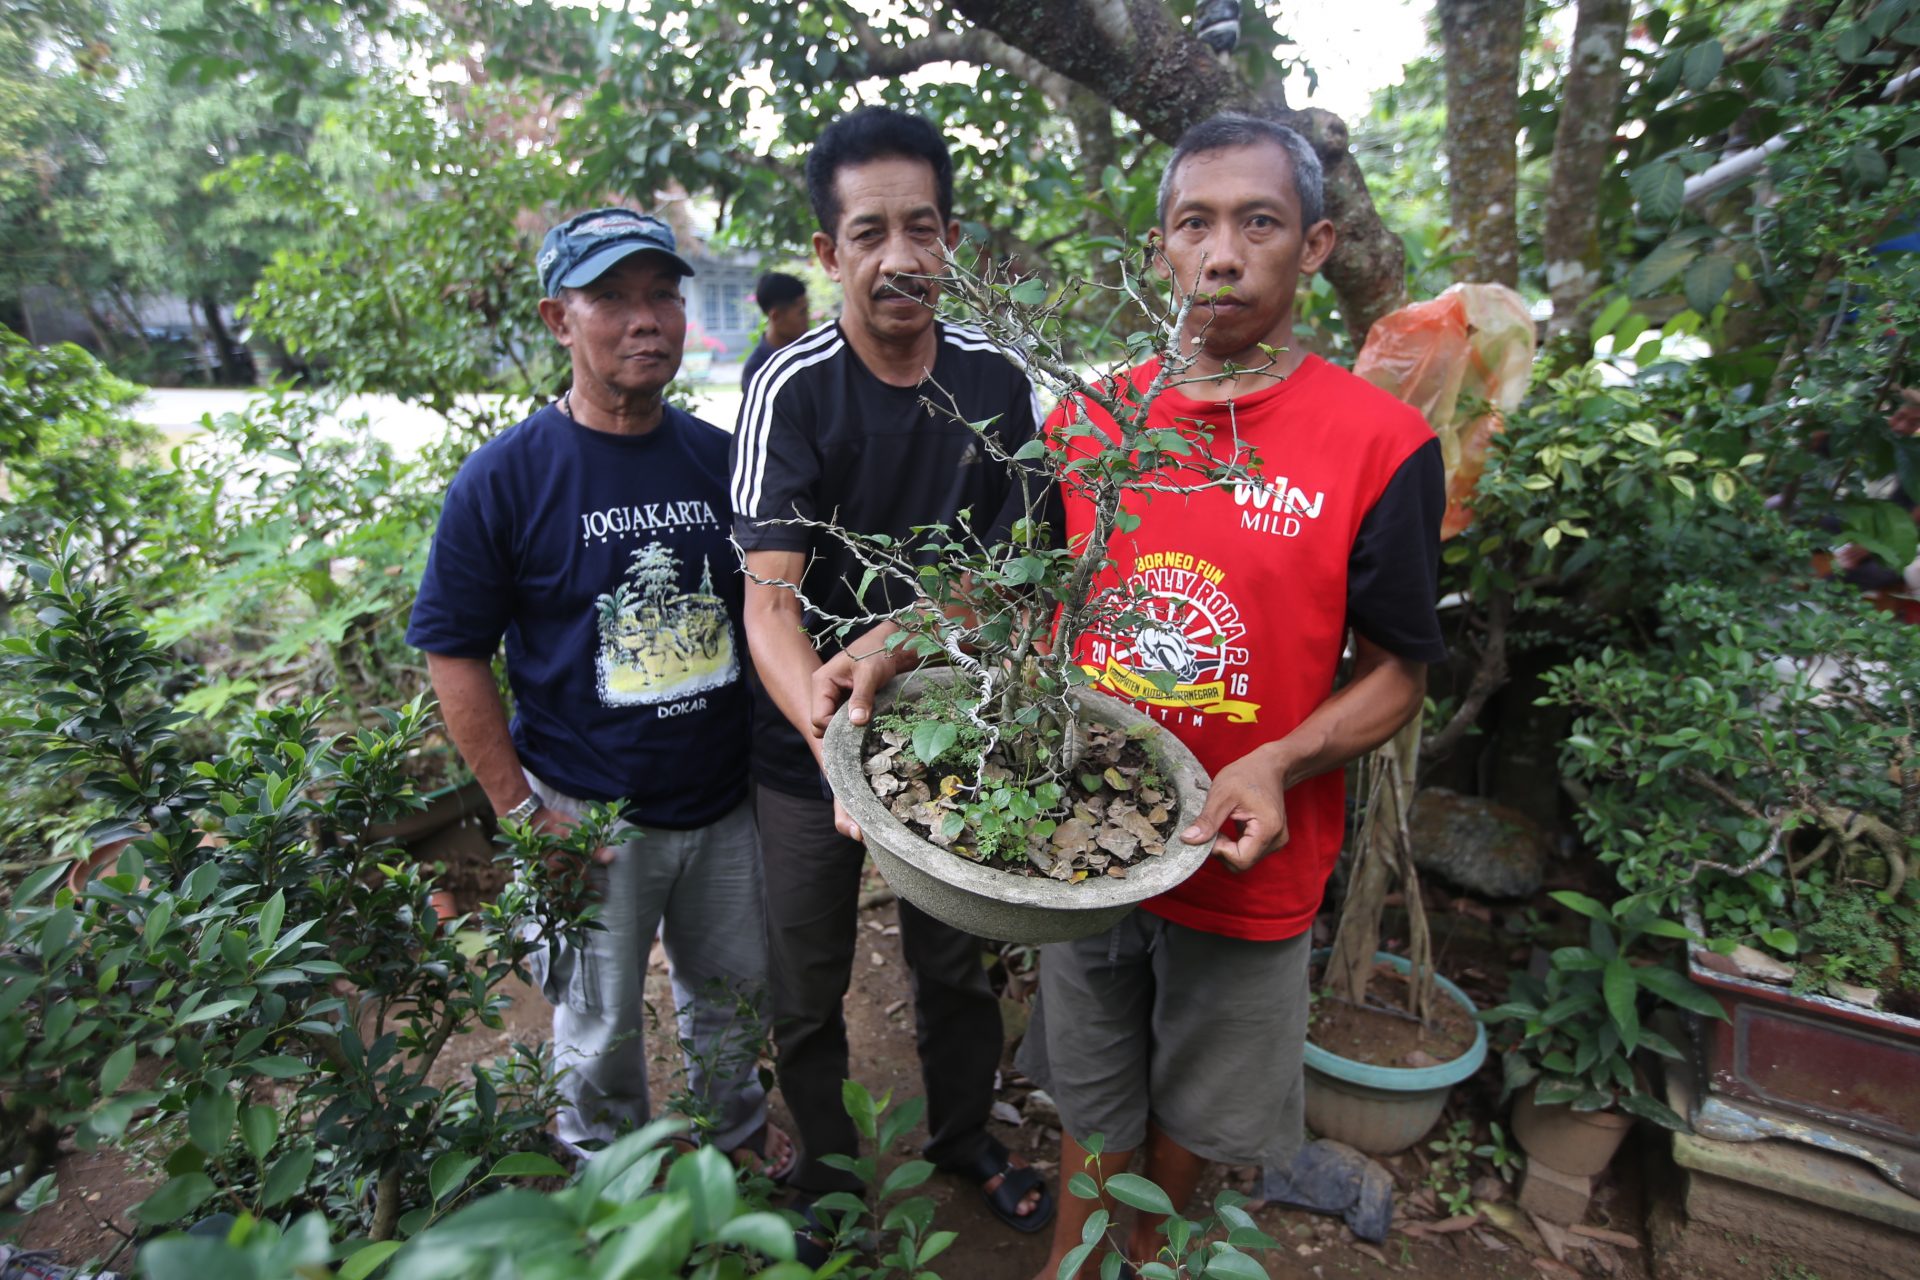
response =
{"points": [[1203, 1035], [704, 887]]}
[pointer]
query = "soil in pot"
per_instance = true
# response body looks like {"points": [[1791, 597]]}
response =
{"points": [[1387, 1035], [1113, 812]]}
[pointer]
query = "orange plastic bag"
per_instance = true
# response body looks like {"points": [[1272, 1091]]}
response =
{"points": [[1475, 341]]}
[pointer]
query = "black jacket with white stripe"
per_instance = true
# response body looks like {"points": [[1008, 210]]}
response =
{"points": [[821, 438]]}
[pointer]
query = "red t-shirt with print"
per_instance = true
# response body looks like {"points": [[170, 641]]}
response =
{"points": [[1253, 587]]}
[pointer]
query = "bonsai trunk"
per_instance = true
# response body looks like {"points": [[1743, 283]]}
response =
{"points": [[1383, 849]]}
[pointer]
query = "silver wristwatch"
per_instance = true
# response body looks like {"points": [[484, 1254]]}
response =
{"points": [[522, 812]]}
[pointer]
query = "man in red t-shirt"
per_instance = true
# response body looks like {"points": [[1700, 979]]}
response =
{"points": [[1180, 1034]]}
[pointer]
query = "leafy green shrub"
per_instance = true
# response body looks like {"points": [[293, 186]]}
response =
{"points": [[257, 934], [74, 464], [1604, 489], [639, 1210], [1211, 1244], [314, 537], [1576, 1030], [617, 1219]]}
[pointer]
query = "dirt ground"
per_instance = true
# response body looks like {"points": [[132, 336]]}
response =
{"points": [[95, 1189]]}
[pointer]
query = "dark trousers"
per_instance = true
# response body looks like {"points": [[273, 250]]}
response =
{"points": [[813, 908]]}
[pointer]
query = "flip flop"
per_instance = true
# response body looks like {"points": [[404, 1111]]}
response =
{"points": [[1015, 1182], [756, 1147]]}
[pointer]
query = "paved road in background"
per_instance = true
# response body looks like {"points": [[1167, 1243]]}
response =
{"points": [[406, 426]]}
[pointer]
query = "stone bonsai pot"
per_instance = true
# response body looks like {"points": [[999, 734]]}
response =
{"points": [[997, 904]]}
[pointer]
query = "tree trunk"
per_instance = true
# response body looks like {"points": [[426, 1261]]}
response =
{"points": [[236, 363], [1483, 39], [1142, 60], [1583, 148], [1092, 119], [130, 314], [1382, 851]]}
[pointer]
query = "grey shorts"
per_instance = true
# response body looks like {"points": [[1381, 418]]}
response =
{"points": [[1200, 1034]]}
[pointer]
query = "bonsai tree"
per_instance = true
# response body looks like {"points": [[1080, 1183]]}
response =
{"points": [[1463, 360], [1007, 608], [1763, 763]]}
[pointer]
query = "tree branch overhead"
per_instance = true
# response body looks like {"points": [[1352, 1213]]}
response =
{"points": [[1154, 71]]}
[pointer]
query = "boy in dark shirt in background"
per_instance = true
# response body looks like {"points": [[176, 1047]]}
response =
{"points": [[783, 299]]}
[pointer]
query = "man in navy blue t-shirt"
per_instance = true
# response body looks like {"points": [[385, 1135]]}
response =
{"points": [[592, 538]]}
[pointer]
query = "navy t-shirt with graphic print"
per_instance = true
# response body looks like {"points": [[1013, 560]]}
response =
{"points": [[603, 561]]}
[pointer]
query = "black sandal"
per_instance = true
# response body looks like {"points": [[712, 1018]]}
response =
{"points": [[1015, 1182], [807, 1249]]}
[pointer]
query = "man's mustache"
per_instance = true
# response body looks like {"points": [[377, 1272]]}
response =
{"points": [[907, 286]]}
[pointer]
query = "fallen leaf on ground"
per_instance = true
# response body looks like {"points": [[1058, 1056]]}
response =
{"points": [[1005, 1113], [1620, 1238], [1510, 1220], [1361, 1246], [896, 1007], [1557, 1238], [1557, 1270], [1450, 1225]]}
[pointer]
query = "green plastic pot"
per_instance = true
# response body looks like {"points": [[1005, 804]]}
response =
{"points": [[1384, 1110]]}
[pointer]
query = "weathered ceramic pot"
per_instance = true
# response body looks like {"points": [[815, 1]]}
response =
{"points": [[102, 860], [1580, 1143], [997, 904]]}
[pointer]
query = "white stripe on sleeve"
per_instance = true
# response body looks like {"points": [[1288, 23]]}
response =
{"points": [[756, 414]]}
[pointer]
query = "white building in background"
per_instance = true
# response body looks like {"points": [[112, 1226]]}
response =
{"points": [[722, 317]]}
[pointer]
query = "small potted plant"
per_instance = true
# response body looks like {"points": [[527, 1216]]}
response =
{"points": [[1001, 794], [1388, 1037], [1572, 1034]]}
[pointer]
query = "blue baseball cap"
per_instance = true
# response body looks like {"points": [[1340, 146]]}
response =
{"points": [[585, 247]]}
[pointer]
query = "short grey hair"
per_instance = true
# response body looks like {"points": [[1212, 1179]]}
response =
{"points": [[1232, 129]]}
